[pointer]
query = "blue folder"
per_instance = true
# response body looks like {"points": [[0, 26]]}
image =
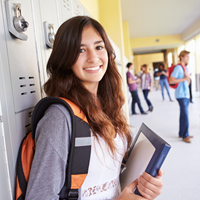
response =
{"points": [[145, 142]]}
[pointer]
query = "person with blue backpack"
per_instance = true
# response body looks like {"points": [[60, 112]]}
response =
{"points": [[82, 69], [180, 76]]}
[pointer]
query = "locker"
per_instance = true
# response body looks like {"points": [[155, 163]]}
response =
{"points": [[77, 8], [5, 189], [46, 24], [22, 59], [64, 10]]}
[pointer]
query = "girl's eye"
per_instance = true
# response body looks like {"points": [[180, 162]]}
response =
{"points": [[99, 47], [81, 51]]}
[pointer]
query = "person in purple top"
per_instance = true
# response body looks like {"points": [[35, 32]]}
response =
{"points": [[132, 84]]}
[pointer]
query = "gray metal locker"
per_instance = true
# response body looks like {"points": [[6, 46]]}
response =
{"points": [[46, 23], [64, 10], [19, 83], [23, 59]]}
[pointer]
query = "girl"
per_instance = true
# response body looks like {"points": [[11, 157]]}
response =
{"points": [[163, 80], [146, 85], [82, 69]]}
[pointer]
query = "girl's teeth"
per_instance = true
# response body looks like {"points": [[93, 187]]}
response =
{"points": [[94, 68]]}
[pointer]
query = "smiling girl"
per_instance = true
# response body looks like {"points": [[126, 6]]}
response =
{"points": [[82, 69]]}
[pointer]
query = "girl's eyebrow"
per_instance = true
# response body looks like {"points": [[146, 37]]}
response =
{"points": [[97, 42]]}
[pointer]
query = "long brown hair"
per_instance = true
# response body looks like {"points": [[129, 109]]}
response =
{"points": [[105, 120]]}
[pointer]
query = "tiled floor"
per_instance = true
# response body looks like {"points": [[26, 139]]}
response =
{"points": [[182, 165]]}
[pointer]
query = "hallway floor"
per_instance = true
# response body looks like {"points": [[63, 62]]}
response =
{"points": [[182, 165]]}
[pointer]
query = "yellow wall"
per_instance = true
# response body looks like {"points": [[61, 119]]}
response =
{"points": [[127, 43], [92, 6], [111, 19], [151, 41], [148, 59]]}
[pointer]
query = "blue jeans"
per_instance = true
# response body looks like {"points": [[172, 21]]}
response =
{"points": [[164, 83], [184, 120], [135, 99], [145, 93]]}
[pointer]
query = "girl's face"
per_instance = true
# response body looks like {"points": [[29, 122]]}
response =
{"points": [[92, 62]]}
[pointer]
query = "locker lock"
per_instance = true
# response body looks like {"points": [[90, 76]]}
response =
{"points": [[19, 22], [51, 34]]}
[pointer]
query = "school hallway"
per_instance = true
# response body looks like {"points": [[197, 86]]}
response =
{"points": [[182, 165]]}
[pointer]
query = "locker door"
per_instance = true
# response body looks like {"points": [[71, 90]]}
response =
{"points": [[22, 59], [64, 10], [5, 188], [45, 23], [77, 8]]}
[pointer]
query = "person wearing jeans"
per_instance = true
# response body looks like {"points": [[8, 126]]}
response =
{"points": [[163, 80], [146, 85], [132, 83], [182, 94], [184, 120]]}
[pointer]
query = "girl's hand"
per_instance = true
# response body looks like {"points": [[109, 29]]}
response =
{"points": [[128, 193], [150, 187]]}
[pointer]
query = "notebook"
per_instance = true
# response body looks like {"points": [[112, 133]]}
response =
{"points": [[147, 153]]}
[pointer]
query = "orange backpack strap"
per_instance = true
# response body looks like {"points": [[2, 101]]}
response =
{"points": [[79, 155]]}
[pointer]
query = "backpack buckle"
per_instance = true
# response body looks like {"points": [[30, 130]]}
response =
{"points": [[73, 195]]}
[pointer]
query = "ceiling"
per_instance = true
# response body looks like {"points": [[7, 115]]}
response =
{"points": [[159, 17]]}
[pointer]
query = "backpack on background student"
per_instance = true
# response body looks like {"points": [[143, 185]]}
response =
{"points": [[170, 70], [78, 157]]}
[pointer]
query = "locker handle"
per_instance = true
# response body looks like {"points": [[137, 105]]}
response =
{"points": [[49, 34]]}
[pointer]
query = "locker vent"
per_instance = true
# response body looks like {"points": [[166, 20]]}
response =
{"points": [[27, 85], [66, 4]]}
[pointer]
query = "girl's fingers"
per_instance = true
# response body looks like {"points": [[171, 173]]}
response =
{"points": [[150, 187], [154, 181], [145, 192]]}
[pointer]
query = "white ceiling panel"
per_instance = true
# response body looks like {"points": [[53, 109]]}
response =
{"points": [[159, 17]]}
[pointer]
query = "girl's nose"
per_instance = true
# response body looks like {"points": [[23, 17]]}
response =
{"points": [[92, 56]]}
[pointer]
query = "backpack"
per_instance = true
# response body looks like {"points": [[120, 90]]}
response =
{"points": [[78, 157], [170, 70]]}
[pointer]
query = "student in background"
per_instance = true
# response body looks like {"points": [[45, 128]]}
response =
{"points": [[182, 94], [146, 85], [132, 84], [163, 74], [82, 68]]}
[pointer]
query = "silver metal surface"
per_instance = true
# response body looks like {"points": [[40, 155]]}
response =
{"points": [[10, 14]]}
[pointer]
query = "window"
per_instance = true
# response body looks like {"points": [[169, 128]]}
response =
{"points": [[169, 59]]}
